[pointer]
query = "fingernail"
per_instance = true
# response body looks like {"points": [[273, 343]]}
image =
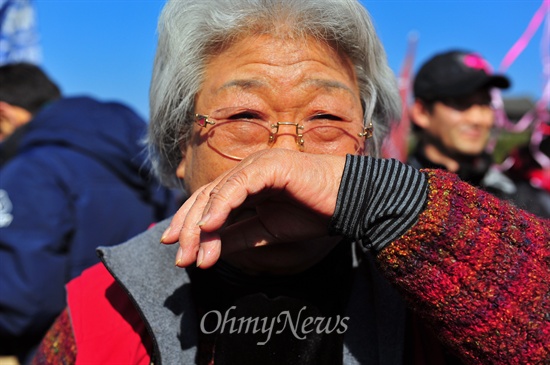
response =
{"points": [[178, 256], [203, 220], [165, 234], [200, 257]]}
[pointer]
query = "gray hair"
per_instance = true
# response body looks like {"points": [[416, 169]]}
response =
{"points": [[192, 31]]}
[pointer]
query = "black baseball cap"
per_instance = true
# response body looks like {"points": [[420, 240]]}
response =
{"points": [[455, 74]]}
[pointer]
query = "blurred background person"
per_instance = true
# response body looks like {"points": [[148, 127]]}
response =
{"points": [[453, 118], [72, 177], [529, 173]]}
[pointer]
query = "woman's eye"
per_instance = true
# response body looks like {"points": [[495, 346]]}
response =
{"points": [[326, 117], [244, 115]]}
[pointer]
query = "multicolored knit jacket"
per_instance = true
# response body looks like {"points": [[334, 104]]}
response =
{"points": [[478, 269], [487, 291]]}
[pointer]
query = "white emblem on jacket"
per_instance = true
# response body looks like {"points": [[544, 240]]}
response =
{"points": [[5, 209]]}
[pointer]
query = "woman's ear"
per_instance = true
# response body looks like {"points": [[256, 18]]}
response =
{"points": [[180, 170], [419, 114], [186, 154]]}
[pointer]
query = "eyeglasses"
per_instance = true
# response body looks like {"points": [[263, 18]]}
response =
{"points": [[239, 135]]}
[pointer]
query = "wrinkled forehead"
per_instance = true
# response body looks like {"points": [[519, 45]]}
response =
{"points": [[278, 50], [279, 69]]}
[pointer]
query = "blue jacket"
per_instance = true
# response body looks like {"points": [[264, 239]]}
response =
{"points": [[77, 179]]}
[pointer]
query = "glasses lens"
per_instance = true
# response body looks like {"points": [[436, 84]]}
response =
{"points": [[238, 138], [332, 139]]}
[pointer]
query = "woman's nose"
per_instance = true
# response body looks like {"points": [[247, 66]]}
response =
{"points": [[287, 135]]}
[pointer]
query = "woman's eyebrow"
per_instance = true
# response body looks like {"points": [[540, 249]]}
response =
{"points": [[329, 84], [320, 83], [243, 84]]}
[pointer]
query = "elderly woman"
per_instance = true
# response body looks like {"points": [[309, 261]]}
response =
{"points": [[264, 112]]}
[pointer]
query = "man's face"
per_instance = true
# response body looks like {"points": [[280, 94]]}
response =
{"points": [[462, 125], [6, 128], [11, 118]]}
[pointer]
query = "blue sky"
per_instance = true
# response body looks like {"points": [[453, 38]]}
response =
{"points": [[105, 48]]}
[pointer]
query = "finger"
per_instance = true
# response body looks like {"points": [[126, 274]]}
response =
{"points": [[209, 250], [190, 232], [230, 193], [224, 197], [171, 234], [185, 227]]}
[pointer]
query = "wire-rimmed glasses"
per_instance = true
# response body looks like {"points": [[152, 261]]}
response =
{"points": [[241, 134]]}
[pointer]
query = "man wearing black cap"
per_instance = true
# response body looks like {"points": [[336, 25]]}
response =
{"points": [[453, 116]]}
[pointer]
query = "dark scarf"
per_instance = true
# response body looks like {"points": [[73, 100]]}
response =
{"points": [[320, 292], [472, 168]]}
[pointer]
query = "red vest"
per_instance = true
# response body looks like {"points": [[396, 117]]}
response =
{"points": [[107, 327]]}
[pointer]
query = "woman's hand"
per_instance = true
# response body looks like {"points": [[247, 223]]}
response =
{"points": [[275, 196]]}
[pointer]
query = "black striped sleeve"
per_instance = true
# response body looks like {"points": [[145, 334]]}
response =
{"points": [[378, 200]]}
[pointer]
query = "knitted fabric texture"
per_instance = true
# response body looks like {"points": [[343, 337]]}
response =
{"points": [[58, 346], [479, 270]]}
